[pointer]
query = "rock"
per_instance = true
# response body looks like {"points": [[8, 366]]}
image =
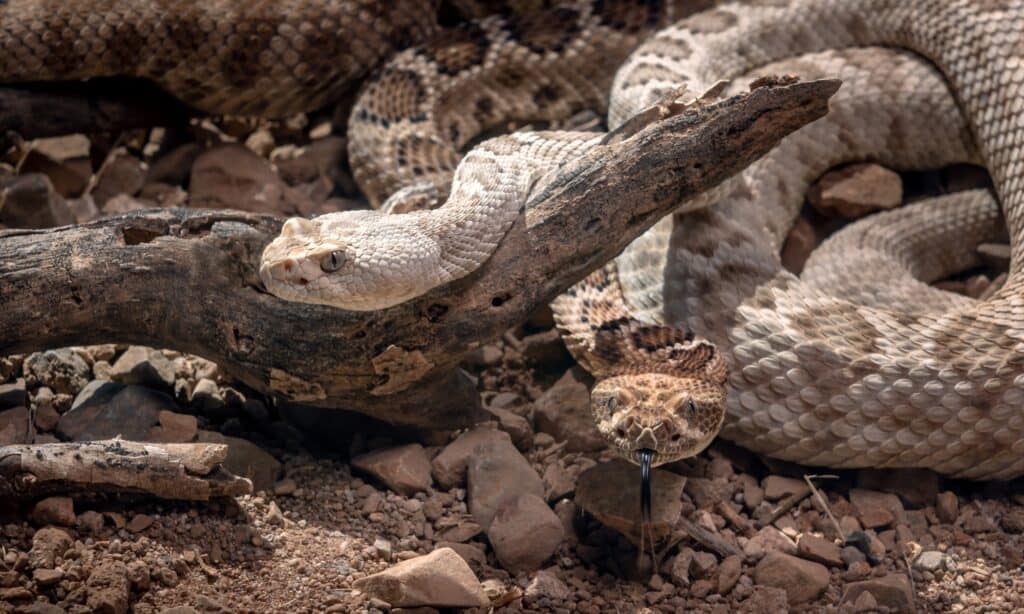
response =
{"points": [[876, 509], [947, 507], [995, 255], [322, 160], [517, 427], [802, 580], [109, 410], [274, 515], [856, 190], [404, 469], [69, 176], [1013, 521], [285, 487], [729, 573], [47, 577], [526, 515], [563, 412], [765, 600], [915, 487], [611, 493], [13, 394], [47, 417], [143, 366], [107, 589], [47, 544], [545, 584], [930, 560], [121, 175], [769, 539], [461, 532], [61, 370], [247, 460], [90, 521], [207, 395], [29, 201], [173, 428], [819, 549], [777, 487], [174, 166], [893, 591], [180, 609], [800, 242], [54, 510], [449, 467], [707, 493], [546, 352], [472, 553], [83, 209], [557, 482], [14, 426], [232, 176], [439, 579], [139, 523], [498, 473]]}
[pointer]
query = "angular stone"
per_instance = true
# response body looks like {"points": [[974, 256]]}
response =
{"points": [[707, 493], [139, 523], [48, 543], [893, 591], [915, 487], [449, 467], [563, 412], [524, 533], [729, 573], [247, 460], [14, 426], [800, 242], [472, 553], [232, 176], [13, 394], [947, 507], [121, 175], [47, 577], [819, 549], [439, 579], [90, 521], [143, 366], [778, 487], [769, 539], [403, 469], [107, 588], [29, 201], [173, 428], [802, 580], [517, 427], [545, 584], [856, 190], [110, 410], [876, 509], [47, 417], [930, 560], [546, 351], [498, 473], [611, 493], [62, 370], [58, 511], [174, 166]]}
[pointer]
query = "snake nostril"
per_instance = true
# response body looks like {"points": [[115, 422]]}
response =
{"points": [[302, 281], [676, 437], [620, 432]]}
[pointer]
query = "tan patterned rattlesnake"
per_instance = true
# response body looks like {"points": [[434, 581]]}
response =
{"points": [[822, 373]]}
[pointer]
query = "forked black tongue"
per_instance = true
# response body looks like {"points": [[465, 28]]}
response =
{"points": [[646, 530]]}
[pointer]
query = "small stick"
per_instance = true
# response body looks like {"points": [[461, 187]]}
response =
{"points": [[787, 504], [707, 538], [822, 502], [734, 518]]}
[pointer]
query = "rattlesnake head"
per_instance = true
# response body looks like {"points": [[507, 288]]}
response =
{"points": [[658, 389]]}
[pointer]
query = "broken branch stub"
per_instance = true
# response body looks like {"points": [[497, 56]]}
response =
{"points": [[188, 279]]}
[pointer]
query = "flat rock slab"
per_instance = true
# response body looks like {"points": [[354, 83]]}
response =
{"points": [[802, 580], [525, 533], [403, 469], [439, 579], [611, 493], [107, 410], [893, 591], [498, 473]]}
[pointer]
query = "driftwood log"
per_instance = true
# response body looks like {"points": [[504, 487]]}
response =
{"points": [[187, 279], [187, 471]]}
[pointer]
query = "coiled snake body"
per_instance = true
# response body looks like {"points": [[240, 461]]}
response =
{"points": [[857, 363]]}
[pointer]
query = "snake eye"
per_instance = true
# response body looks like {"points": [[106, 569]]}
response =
{"points": [[612, 403], [333, 261], [691, 409]]}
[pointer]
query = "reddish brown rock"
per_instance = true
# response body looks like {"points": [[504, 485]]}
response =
{"points": [[14, 426], [563, 412], [819, 549], [947, 507], [29, 201], [802, 580], [439, 579], [800, 242], [729, 573], [893, 591], [403, 469], [498, 473], [173, 428], [449, 467], [611, 493], [856, 190], [107, 588], [524, 533], [876, 509], [778, 487], [122, 175], [58, 511], [47, 544], [232, 176]]}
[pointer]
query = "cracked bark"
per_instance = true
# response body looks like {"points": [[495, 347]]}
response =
{"points": [[189, 471], [187, 279]]}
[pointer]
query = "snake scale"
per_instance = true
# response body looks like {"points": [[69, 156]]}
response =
{"points": [[857, 363]]}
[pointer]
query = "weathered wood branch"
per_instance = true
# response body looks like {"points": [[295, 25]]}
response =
{"points": [[187, 279], [189, 471], [51, 109]]}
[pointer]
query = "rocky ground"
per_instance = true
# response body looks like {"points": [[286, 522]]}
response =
{"points": [[527, 512]]}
